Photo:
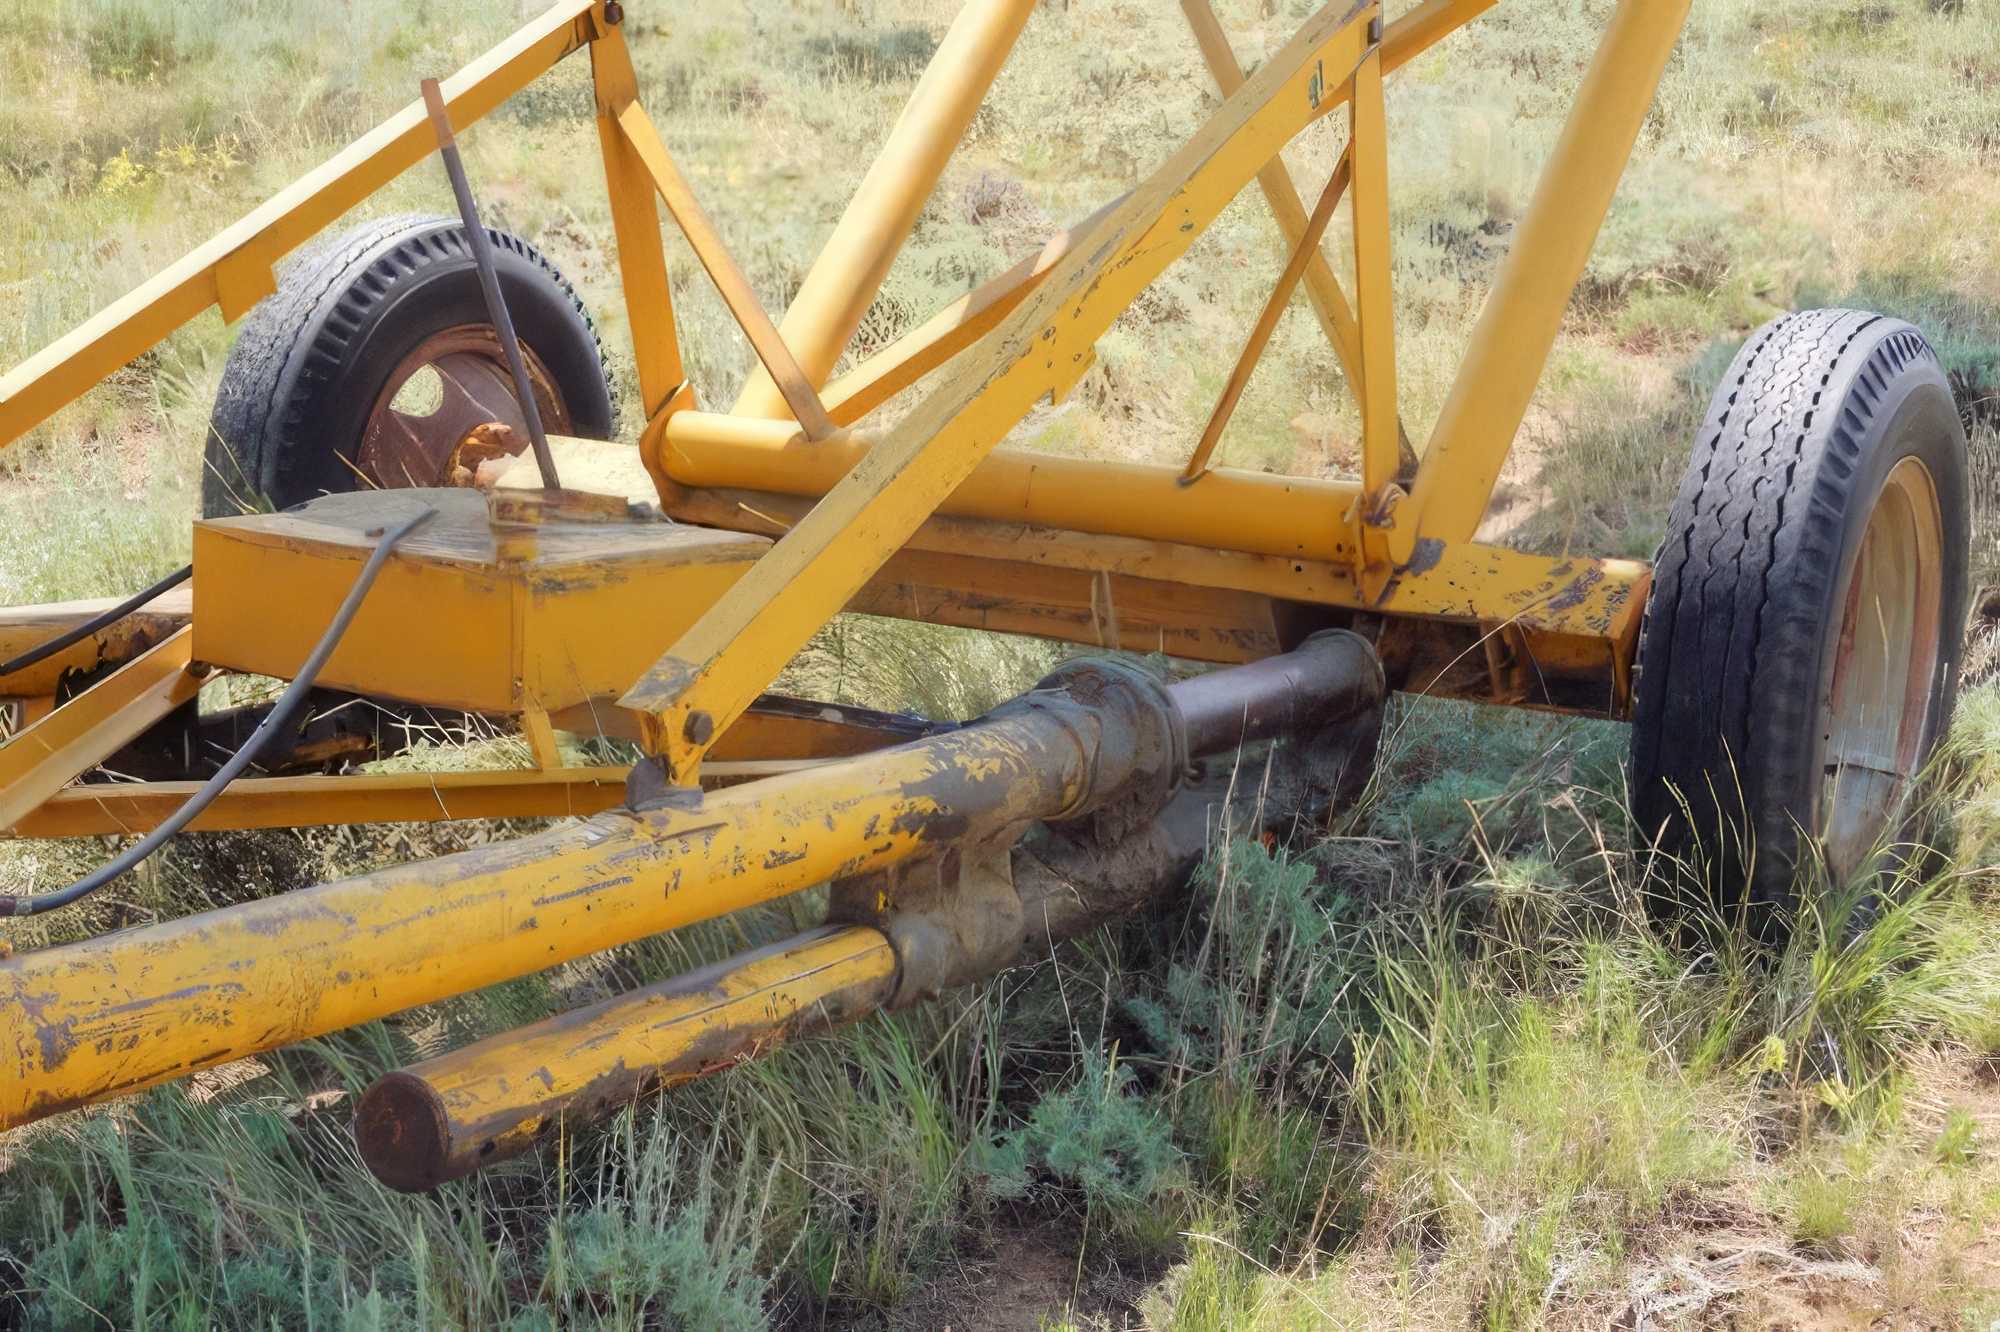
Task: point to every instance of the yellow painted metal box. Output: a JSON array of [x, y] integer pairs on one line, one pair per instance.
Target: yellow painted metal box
[[468, 612]]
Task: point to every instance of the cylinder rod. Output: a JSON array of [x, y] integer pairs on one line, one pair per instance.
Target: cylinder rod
[[449, 1116], [1331, 676]]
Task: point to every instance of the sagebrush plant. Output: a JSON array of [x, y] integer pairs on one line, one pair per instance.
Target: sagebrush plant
[[1437, 1066]]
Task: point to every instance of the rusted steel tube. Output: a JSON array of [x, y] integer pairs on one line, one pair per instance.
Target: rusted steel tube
[[447, 1117], [844, 278], [1331, 675], [90, 1020], [106, 1016]]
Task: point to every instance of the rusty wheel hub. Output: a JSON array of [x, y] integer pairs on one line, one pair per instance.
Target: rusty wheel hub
[[424, 429]]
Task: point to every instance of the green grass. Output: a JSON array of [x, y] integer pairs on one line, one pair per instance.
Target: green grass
[[1438, 1068]]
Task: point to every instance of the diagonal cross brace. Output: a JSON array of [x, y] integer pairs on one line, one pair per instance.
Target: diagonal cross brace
[[738, 647]]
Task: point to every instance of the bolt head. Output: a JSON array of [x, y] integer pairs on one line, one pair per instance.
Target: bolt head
[[698, 728]]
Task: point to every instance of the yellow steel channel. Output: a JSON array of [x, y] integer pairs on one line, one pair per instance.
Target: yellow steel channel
[[25, 627], [109, 809], [94, 725]]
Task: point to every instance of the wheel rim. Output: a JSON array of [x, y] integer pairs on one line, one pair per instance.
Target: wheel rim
[[420, 426], [1877, 711]]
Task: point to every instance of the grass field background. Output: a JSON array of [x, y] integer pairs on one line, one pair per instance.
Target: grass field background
[[1435, 1070]]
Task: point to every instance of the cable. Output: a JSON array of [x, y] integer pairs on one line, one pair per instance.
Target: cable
[[43, 651], [281, 712]]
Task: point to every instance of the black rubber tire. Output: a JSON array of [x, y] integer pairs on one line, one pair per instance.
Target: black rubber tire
[[312, 358], [1737, 651]]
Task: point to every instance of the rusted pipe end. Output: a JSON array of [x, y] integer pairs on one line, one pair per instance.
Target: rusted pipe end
[[402, 1131]]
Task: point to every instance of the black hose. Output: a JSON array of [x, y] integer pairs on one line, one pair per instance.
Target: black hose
[[43, 651], [281, 713]]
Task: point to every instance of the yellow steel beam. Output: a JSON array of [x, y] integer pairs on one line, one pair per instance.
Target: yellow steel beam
[[799, 392], [733, 651], [949, 331], [234, 269], [126, 1010], [1231, 510], [94, 725], [1572, 596], [1304, 252], [1524, 311], [452, 1115], [100, 810], [777, 735], [1374, 294], [844, 278], [635, 221]]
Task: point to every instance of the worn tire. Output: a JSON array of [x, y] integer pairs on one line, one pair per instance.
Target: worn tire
[[1731, 728], [312, 358]]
